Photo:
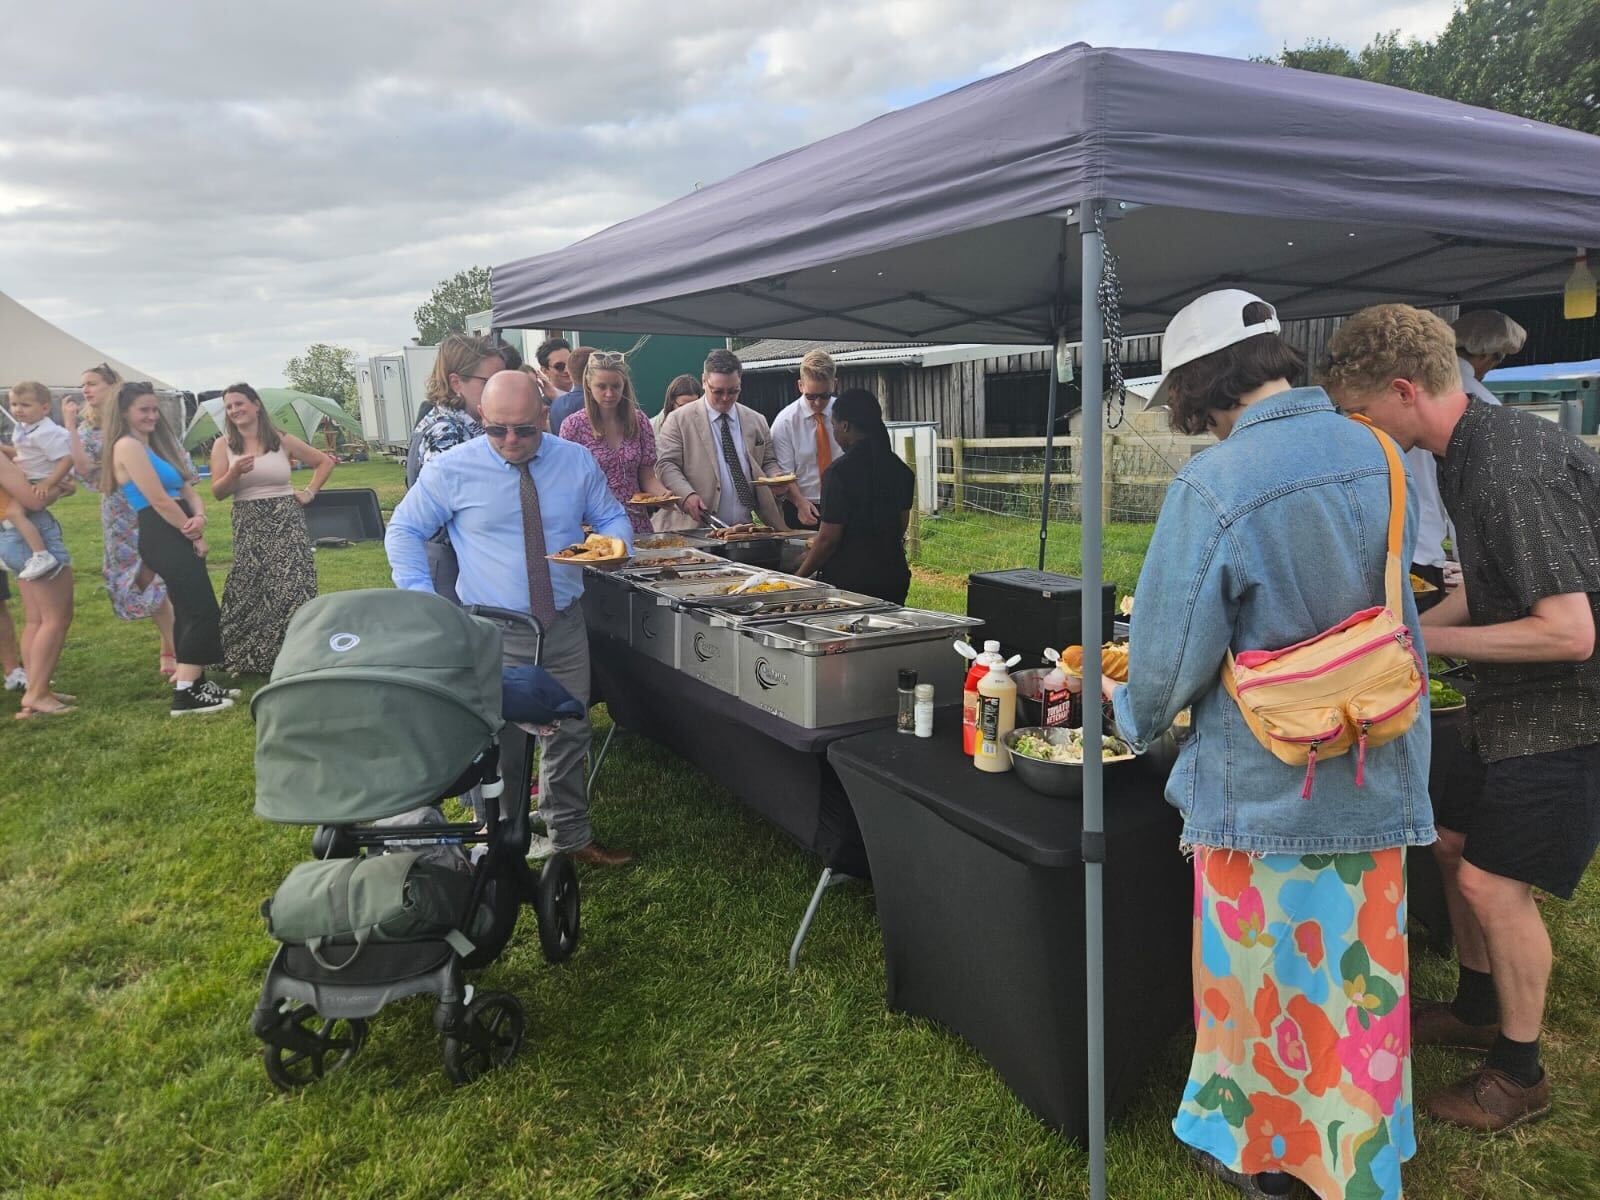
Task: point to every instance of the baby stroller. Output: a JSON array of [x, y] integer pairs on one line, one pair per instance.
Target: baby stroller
[[382, 703]]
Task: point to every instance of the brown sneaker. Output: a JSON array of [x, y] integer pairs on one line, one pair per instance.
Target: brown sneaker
[[1489, 1101], [596, 855], [1433, 1024]]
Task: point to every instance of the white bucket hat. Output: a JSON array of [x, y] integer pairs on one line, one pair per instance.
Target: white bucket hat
[[1213, 322]]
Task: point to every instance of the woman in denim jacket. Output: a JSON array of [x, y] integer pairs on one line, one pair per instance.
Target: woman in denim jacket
[[1301, 1067]]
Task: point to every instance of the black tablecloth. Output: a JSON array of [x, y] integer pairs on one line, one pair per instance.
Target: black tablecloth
[[775, 767], [979, 887]]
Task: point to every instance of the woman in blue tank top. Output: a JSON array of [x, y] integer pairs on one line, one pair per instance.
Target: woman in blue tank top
[[148, 467]]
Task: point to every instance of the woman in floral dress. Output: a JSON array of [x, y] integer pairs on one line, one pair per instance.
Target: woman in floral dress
[[1302, 1065], [610, 427], [136, 591]]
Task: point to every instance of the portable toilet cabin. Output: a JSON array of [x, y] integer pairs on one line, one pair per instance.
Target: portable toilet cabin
[[1568, 393]]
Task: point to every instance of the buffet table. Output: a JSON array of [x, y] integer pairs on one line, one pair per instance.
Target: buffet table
[[979, 887]]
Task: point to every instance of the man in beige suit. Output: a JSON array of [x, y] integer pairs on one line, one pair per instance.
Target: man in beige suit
[[711, 449]]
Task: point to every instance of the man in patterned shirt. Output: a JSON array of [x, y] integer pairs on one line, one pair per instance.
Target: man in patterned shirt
[[1524, 497]]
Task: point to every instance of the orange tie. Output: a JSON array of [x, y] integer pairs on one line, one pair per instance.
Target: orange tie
[[824, 447]]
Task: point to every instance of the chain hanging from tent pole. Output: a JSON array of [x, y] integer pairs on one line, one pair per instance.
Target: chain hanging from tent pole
[[1109, 296]]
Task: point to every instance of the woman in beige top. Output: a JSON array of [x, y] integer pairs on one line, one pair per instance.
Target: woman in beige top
[[273, 573]]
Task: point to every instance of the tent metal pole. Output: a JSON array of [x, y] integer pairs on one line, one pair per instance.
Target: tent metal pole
[[1049, 459], [1090, 454]]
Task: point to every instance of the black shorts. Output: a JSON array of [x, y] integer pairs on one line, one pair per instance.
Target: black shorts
[[5, 586], [1538, 820]]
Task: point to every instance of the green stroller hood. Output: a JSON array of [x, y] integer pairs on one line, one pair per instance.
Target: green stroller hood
[[378, 702]]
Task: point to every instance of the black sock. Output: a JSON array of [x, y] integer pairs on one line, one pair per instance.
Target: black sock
[[1520, 1060], [1275, 1183], [1476, 1002]]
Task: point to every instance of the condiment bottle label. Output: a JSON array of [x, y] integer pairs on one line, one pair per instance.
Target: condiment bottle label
[[989, 724]]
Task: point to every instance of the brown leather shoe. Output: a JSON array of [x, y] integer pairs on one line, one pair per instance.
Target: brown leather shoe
[[596, 855], [1489, 1101], [1433, 1024]]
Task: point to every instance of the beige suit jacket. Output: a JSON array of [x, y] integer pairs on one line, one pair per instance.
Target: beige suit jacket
[[687, 462]]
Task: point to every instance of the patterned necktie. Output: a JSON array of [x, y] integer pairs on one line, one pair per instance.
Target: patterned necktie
[[541, 597], [824, 447], [741, 485]]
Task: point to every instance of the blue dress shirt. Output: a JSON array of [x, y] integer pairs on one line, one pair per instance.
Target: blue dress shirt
[[563, 406], [475, 495]]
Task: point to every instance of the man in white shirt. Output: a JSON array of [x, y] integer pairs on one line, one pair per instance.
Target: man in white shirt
[[802, 437], [1484, 338]]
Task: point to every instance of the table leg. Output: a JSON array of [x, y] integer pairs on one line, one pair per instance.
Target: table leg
[[830, 878], [598, 759]]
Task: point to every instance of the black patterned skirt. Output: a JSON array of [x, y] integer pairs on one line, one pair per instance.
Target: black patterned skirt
[[273, 574]]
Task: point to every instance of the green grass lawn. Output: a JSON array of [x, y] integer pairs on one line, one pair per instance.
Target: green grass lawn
[[673, 1056]]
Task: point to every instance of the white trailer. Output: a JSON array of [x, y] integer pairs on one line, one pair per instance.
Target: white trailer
[[394, 387]]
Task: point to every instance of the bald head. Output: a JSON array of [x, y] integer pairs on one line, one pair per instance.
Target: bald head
[[511, 400]]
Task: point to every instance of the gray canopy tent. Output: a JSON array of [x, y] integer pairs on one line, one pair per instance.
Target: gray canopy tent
[[983, 215]]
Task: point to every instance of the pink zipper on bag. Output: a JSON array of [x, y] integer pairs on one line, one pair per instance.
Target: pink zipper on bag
[[1250, 659], [1403, 637], [1364, 726]]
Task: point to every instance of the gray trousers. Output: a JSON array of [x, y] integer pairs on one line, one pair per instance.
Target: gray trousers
[[563, 798]]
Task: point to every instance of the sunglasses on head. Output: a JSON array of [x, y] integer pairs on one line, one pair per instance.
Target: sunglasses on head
[[608, 358], [498, 432]]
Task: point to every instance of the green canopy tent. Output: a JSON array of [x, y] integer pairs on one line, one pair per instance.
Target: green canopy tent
[[299, 413]]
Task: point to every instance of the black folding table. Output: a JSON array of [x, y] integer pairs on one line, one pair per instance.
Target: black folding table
[[979, 887], [776, 768]]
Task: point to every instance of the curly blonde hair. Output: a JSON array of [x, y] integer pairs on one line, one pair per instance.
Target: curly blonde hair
[[1387, 342]]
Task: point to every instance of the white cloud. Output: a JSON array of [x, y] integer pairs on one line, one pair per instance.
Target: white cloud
[[209, 187], [1353, 23]]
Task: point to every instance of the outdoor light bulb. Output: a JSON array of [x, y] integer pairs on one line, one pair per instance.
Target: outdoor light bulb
[[1579, 302]]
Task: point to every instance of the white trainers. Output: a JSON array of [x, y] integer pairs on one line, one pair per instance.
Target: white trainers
[[540, 847], [17, 681], [39, 564]]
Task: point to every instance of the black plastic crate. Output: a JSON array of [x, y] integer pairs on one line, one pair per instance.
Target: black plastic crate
[[1026, 610], [349, 513]]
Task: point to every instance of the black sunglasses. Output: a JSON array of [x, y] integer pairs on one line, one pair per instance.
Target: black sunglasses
[[498, 432]]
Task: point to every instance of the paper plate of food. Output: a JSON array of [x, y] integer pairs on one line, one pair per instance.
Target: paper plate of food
[[653, 499], [1420, 586], [1442, 698], [596, 550], [774, 480], [1113, 661]]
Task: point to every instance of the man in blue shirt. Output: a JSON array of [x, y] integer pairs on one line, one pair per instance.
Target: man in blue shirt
[[507, 500], [567, 403]]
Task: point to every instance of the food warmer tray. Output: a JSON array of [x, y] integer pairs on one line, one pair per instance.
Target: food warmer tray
[[842, 633], [688, 593]]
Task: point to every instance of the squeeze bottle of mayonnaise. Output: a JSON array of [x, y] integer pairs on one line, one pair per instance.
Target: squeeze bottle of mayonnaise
[[997, 716]]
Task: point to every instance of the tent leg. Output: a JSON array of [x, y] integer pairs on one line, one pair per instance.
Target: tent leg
[[1049, 458], [1093, 774]]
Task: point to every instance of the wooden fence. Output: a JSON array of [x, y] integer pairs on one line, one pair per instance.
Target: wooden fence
[[1007, 474]]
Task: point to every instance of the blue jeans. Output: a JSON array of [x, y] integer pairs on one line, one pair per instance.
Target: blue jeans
[[14, 551]]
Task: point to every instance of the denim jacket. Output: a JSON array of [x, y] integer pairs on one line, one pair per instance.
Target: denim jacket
[[1265, 539]]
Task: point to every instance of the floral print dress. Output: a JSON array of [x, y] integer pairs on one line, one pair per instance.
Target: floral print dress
[[622, 465], [1302, 1059], [121, 564]]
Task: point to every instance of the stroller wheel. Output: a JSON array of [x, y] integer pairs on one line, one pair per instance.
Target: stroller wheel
[[557, 907], [491, 1036], [298, 1053]]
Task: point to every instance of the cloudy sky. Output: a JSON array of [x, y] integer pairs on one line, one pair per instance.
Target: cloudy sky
[[203, 189]]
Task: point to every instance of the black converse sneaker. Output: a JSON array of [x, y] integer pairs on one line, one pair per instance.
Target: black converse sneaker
[[197, 699], [215, 691]]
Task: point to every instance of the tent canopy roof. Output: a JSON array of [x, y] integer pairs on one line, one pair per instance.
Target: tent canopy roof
[[32, 348], [944, 221]]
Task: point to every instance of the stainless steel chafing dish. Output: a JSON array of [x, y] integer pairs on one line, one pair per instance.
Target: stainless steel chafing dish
[[839, 668], [698, 589]]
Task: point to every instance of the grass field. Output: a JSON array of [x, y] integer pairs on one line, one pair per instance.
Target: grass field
[[673, 1056]]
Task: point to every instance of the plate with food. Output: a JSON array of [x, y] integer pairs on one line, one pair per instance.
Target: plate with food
[[596, 550], [1113, 661], [1443, 698], [1420, 586], [653, 499], [774, 480]]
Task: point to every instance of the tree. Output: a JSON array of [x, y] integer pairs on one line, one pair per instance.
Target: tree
[[325, 370], [1534, 58], [451, 303]]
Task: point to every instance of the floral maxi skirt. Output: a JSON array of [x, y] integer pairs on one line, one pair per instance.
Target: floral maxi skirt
[[1302, 1058], [121, 564], [272, 575]]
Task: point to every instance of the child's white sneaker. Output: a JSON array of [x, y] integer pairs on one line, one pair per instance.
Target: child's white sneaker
[[17, 681], [39, 564]]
